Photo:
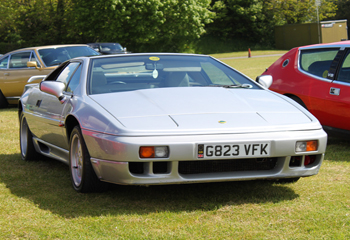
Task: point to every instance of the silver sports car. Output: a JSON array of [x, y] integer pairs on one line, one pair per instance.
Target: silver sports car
[[162, 118]]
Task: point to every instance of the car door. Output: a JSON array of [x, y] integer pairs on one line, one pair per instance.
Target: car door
[[319, 64], [48, 113], [3, 71], [338, 95], [16, 75]]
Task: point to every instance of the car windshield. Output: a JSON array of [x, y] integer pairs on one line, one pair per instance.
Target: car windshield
[[57, 55], [111, 47], [119, 74]]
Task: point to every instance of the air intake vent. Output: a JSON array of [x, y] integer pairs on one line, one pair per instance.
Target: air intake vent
[[232, 165]]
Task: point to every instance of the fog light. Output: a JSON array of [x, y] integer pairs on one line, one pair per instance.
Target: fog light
[[154, 152], [306, 146]]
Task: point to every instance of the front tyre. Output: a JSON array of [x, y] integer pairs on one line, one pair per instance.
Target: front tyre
[[28, 151], [83, 176], [3, 100]]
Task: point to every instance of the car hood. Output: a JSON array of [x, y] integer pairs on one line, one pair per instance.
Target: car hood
[[204, 110]]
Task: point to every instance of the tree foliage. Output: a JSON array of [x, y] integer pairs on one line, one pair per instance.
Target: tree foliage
[[243, 19], [166, 25], [343, 10], [155, 25], [300, 11]]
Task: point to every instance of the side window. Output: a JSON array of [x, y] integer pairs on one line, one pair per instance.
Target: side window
[[317, 61], [67, 73], [55, 73], [74, 81], [344, 71], [19, 60], [3, 62]]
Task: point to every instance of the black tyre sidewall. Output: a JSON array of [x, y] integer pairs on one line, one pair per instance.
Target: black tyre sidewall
[[3, 100], [31, 153]]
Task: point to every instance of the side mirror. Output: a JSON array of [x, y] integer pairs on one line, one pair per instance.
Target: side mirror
[[264, 80], [33, 64], [124, 49], [53, 88]]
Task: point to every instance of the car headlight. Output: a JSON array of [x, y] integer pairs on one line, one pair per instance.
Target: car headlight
[[306, 146], [154, 152]]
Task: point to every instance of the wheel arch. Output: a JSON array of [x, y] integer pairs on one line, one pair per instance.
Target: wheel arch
[[19, 109], [296, 98], [70, 123]]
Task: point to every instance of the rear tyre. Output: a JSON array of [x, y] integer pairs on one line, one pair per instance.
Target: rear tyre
[[28, 151], [3, 100], [83, 176]]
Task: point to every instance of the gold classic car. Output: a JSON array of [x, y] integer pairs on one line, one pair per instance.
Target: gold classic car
[[17, 67]]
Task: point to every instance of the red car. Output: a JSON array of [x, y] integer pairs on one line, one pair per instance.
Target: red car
[[318, 78]]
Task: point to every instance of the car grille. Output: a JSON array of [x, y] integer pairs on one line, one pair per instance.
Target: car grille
[[232, 165]]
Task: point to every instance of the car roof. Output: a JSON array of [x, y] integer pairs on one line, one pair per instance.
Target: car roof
[[141, 54], [325, 45], [48, 46], [104, 43]]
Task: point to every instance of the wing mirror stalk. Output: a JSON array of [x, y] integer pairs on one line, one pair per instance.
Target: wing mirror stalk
[[264, 80], [54, 88]]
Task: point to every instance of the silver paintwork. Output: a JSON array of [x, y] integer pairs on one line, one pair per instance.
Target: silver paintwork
[[33, 78], [115, 125]]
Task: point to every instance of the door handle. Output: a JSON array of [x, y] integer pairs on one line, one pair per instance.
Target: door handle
[[6, 74], [334, 91], [38, 103]]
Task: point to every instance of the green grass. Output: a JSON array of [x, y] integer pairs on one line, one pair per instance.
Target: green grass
[[245, 53], [38, 202], [252, 67]]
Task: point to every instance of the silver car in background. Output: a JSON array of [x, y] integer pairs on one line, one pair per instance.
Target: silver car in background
[[162, 118]]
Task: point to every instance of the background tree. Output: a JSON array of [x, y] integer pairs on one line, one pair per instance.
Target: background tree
[[236, 19], [343, 11], [160, 25], [238, 24], [202, 26], [8, 28], [299, 11]]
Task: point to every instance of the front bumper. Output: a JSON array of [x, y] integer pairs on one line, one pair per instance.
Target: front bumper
[[116, 159]]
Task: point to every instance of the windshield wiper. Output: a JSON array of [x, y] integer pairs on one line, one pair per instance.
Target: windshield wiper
[[238, 86], [231, 86]]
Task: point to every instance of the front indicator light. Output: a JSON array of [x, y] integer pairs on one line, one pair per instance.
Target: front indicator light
[[146, 152], [154, 152], [306, 146]]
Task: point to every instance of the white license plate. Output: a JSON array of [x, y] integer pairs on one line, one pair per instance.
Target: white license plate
[[236, 150]]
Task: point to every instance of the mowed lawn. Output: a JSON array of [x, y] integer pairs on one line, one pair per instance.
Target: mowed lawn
[[37, 201]]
